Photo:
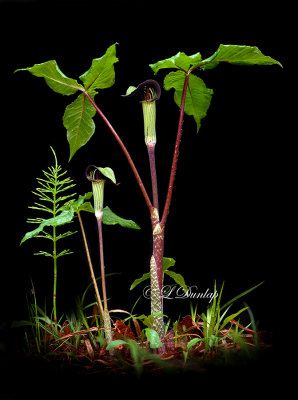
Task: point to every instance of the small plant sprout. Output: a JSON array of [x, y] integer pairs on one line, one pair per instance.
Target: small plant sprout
[[98, 178]]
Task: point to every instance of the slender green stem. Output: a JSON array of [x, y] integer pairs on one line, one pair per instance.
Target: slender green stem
[[55, 276], [91, 266], [55, 250]]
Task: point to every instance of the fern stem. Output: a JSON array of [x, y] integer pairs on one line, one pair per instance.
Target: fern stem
[[55, 277], [55, 173]]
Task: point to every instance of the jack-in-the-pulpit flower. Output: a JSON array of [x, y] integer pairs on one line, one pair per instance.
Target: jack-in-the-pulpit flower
[[98, 177], [150, 92]]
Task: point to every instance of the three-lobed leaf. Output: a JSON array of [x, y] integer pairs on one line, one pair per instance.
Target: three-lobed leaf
[[198, 97], [179, 61], [78, 116]]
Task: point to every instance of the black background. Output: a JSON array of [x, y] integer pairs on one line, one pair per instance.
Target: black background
[[229, 210]]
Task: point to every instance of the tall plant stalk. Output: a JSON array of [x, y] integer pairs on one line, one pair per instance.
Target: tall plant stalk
[[158, 226], [98, 177]]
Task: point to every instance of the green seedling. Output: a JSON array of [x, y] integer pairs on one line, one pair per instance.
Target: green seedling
[[189, 346]]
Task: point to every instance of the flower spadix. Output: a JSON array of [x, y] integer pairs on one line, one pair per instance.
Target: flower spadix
[[150, 92], [98, 176]]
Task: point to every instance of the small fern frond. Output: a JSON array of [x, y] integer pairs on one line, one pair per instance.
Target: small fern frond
[[50, 186]]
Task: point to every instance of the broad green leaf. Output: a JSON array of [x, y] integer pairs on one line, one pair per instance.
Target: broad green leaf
[[140, 280], [239, 55], [108, 173], [63, 218], [54, 77], [115, 343], [110, 218], [198, 96], [179, 61], [153, 338], [101, 74], [178, 278], [167, 263], [80, 203], [87, 206], [78, 120]]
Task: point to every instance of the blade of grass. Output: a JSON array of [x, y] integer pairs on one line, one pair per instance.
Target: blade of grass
[[253, 324], [230, 317], [240, 295]]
